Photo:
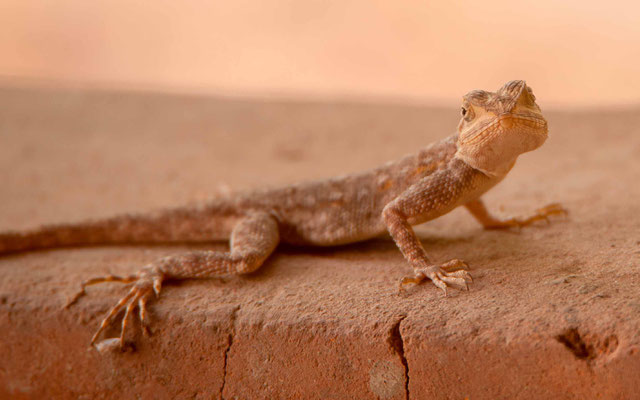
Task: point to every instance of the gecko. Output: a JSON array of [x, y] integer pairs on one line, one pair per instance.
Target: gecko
[[494, 129]]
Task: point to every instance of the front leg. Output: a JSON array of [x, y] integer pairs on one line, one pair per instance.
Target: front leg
[[488, 221], [432, 197]]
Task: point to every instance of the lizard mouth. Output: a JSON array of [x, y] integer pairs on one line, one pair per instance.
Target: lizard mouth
[[528, 124]]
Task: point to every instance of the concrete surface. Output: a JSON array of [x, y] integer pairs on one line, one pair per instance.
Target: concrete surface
[[553, 312]]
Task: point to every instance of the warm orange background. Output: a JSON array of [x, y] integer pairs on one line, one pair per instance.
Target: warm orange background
[[573, 53]]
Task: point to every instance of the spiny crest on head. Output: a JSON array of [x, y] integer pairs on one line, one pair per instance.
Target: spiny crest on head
[[511, 89], [501, 101]]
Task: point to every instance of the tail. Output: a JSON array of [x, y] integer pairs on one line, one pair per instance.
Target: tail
[[197, 224]]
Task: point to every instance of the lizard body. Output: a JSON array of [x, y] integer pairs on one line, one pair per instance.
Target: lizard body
[[494, 129], [329, 212]]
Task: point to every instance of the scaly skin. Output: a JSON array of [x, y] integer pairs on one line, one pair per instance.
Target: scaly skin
[[494, 130]]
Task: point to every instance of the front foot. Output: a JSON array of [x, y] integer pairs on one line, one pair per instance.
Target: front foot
[[541, 214], [451, 273]]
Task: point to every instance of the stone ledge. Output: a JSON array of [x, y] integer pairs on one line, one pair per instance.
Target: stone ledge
[[553, 312]]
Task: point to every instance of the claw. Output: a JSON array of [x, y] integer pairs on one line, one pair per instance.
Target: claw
[[157, 286], [142, 306], [125, 320]]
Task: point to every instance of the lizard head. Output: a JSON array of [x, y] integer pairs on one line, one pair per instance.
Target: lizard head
[[496, 127]]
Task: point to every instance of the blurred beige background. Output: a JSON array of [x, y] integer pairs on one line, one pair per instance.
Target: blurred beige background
[[573, 53]]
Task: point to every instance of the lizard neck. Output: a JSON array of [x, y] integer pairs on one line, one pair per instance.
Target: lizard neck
[[487, 160]]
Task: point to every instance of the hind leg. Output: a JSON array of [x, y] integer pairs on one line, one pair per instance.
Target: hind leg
[[253, 239]]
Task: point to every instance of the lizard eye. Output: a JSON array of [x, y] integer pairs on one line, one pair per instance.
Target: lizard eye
[[467, 113]]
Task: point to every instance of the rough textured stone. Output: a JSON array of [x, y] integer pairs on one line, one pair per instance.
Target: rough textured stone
[[553, 312]]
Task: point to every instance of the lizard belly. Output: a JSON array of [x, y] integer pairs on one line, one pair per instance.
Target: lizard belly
[[331, 225]]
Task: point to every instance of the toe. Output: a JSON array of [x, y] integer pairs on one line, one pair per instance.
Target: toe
[[454, 264], [461, 274], [552, 209], [453, 280], [418, 278], [441, 284]]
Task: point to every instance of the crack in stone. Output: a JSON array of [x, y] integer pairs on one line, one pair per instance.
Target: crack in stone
[[234, 313], [396, 342]]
